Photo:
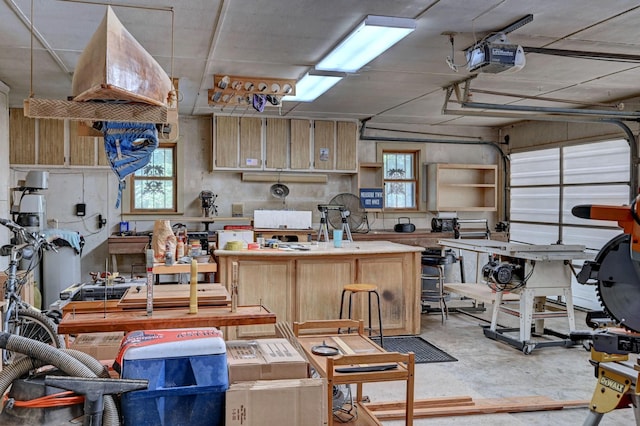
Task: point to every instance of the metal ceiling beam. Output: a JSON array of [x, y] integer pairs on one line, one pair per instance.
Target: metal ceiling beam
[[620, 115]]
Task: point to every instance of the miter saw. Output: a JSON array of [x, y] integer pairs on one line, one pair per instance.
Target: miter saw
[[616, 273]]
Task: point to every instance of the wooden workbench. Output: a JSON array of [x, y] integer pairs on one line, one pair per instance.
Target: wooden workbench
[[93, 322], [307, 285]]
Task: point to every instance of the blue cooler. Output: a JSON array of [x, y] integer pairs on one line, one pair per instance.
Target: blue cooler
[[187, 374]]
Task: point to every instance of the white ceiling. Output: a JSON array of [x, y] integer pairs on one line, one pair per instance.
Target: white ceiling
[[284, 38]]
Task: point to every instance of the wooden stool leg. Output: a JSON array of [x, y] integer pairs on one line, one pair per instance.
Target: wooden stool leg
[[341, 305], [370, 324]]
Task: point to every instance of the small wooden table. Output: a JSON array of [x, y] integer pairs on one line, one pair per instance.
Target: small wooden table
[[93, 322], [358, 353]]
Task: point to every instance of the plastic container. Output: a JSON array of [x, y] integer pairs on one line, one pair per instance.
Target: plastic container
[[187, 374]]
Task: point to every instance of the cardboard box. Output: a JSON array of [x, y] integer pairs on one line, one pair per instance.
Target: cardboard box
[[277, 402], [28, 291], [264, 359], [98, 345]]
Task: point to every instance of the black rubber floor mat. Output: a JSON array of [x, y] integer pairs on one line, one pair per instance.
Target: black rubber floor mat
[[424, 351]]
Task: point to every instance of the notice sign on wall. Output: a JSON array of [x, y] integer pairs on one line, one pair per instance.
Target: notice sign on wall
[[371, 198]]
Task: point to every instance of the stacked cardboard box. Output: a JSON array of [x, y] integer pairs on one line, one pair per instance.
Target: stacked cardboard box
[[264, 359], [277, 402], [270, 385], [98, 345]]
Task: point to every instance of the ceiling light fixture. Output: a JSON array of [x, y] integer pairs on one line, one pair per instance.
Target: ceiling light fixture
[[368, 40], [314, 84]]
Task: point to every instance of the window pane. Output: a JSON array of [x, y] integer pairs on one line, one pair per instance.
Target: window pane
[[398, 165], [161, 164], [400, 195], [597, 162], [539, 204], [153, 194], [536, 168]]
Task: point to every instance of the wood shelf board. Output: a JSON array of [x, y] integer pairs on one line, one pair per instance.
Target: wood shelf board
[[175, 296], [183, 268], [92, 322], [478, 291]]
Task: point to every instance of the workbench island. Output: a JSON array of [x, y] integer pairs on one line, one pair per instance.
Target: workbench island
[[303, 285]]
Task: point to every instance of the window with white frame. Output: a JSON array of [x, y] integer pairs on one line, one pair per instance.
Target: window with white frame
[[154, 186], [545, 186], [400, 179]]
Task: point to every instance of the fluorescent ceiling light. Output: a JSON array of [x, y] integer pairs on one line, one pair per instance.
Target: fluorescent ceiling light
[[372, 37], [312, 85]]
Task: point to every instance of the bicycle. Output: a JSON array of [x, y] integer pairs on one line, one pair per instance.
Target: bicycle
[[19, 317]]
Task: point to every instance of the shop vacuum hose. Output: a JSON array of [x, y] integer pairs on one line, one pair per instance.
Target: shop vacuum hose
[[73, 363]]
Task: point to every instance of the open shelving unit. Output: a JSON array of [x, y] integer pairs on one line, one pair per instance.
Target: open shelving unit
[[462, 187]]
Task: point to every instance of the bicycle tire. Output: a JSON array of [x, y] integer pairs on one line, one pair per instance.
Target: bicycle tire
[[33, 325]]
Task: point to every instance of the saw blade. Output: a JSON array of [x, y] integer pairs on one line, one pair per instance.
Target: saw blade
[[619, 282]]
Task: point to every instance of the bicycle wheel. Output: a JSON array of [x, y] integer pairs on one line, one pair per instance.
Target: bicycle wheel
[[33, 325]]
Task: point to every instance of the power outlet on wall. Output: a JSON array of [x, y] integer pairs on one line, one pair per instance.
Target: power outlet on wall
[[237, 209]]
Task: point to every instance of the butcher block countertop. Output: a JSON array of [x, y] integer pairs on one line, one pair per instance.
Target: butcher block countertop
[[326, 249]]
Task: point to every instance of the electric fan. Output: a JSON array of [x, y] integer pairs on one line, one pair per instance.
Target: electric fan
[[356, 216]]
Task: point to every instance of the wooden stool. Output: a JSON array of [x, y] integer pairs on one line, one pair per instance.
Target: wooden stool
[[361, 288]]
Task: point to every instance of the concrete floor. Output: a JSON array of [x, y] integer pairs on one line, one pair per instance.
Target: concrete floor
[[490, 369]]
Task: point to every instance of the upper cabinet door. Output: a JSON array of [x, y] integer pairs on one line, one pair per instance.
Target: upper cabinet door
[[22, 138], [346, 146], [226, 142], [276, 143], [324, 133], [300, 147], [51, 142], [82, 149], [250, 143]]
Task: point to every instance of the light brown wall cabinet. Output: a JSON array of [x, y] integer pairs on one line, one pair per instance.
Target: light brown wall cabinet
[[276, 145], [48, 148], [226, 145], [462, 187], [300, 145], [284, 144]]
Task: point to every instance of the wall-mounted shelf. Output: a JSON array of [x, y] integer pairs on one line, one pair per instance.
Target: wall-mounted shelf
[[239, 90], [462, 187]]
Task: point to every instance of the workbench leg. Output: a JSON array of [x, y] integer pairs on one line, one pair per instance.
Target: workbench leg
[[539, 303], [497, 302], [568, 300], [526, 314]]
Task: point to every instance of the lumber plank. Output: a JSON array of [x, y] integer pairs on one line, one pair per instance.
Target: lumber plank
[[439, 407], [175, 295], [132, 320]]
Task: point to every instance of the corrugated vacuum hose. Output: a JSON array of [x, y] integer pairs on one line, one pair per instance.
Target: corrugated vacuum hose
[[73, 363]]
